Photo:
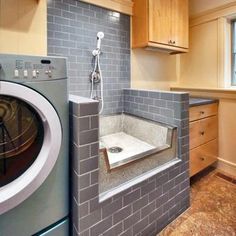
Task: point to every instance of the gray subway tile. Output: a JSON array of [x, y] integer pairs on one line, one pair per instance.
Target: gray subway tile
[[155, 214], [101, 227], [167, 186], [131, 197], [83, 209], [88, 165], [137, 205], [139, 226], [168, 205], [111, 208], [167, 96], [121, 214], [89, 220], [149, 230], [157, 192], [89, 136], [94, 177], [148, 188], [160, 103], [84, 152], [94, 122], [145, 211], [84, 181], [84, 123], [131, 220], [162, 199], [88, 109], [115, 230], [94, 149], [154, 94], [128, 232], [88, 193]]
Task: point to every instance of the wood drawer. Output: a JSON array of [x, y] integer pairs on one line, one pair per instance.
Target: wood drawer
[[203, 156], [199, 112], [202, 131]]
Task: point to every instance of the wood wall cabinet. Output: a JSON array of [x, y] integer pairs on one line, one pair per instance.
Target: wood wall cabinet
[[161, 24], [203, 136]]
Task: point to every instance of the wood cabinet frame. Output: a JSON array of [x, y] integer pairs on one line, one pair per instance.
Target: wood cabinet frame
[[161, 24]]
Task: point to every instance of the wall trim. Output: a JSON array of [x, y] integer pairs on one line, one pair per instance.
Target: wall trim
[[227, 10], [123, 6], [224, 52], [208, 92], [226, 166]]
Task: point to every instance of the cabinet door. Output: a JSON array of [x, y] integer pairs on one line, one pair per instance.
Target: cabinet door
[[203, 156], [179, 23], [202, 131], [203, 111], [159, 21]]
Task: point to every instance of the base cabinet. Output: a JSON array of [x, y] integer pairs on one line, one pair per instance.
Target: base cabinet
[[203, 137]]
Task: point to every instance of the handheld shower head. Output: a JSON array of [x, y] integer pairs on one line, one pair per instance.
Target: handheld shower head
[[100, 36]]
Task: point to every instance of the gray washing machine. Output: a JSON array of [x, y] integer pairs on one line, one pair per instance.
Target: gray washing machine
[[33, 146]]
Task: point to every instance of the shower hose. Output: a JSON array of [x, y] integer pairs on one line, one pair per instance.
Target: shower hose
[[95, 73]]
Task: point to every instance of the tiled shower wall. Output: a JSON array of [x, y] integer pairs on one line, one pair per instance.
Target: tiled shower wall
[[72, 33], [145, 208]]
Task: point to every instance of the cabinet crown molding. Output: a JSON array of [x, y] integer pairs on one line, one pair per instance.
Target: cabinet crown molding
[[122, 6]]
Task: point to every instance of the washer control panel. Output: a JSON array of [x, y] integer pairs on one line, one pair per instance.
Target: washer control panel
[[31, 67]]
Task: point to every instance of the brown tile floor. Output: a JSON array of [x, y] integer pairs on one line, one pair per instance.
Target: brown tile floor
[[212, 211]]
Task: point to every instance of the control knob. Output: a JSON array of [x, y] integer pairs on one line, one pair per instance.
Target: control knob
[[34, 73]]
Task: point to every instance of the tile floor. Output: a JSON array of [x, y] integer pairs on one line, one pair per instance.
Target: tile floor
[[212, 211]]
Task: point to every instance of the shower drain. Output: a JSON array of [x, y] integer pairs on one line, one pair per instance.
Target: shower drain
[[115, 149]]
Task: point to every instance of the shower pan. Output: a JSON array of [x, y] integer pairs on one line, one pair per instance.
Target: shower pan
[[125, 139]]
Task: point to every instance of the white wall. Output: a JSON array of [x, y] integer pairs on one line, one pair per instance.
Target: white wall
[[23, 27], [152, 70]]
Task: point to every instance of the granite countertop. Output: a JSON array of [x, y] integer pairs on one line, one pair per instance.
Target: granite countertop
[[194, 101]]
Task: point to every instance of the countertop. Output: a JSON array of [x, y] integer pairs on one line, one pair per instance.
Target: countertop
[[194, 101]]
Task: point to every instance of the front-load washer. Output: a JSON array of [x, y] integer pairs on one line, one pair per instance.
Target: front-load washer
[[33, 146]]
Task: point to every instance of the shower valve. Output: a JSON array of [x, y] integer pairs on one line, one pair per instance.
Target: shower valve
[[95, 77], [97, 98]]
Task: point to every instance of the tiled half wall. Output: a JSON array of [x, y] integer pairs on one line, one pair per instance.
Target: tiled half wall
[[145, 208], [167, 107], [72, 33]]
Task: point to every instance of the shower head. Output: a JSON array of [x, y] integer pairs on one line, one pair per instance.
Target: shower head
[[100, 36]]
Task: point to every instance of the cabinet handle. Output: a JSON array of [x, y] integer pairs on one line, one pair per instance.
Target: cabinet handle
[[202, 158], [173, 42], [202, 112], [202, 133], [170, 42]]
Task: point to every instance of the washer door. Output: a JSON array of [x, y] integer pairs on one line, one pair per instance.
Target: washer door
[[30, 141]]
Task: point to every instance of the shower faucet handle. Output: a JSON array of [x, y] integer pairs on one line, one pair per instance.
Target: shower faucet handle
[[97, 98], [96, 52]]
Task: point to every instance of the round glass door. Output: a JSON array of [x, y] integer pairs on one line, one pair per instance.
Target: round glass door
[[21, 137], [30, 142]]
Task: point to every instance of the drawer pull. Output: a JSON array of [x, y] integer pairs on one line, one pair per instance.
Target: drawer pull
[[202, 112], [202, 133], [202, 158]]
